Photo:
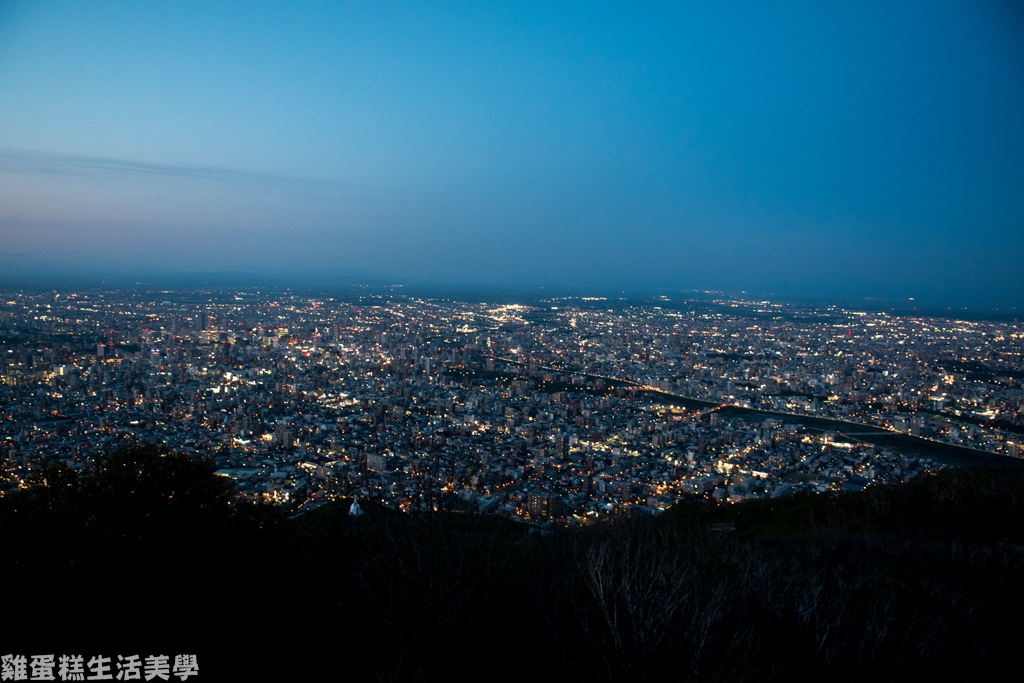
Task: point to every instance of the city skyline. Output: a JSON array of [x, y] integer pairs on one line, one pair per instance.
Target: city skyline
[[338, 470], [847, 152]]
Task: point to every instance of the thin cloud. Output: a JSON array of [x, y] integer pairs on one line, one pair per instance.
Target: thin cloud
[[17, 161]]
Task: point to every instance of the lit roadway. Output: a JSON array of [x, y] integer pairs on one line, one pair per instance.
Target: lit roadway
[[852, 427]]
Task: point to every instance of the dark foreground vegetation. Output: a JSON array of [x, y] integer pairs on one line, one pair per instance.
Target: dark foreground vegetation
[[148, 555]]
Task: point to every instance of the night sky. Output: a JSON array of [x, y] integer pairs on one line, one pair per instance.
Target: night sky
[[792, 149]]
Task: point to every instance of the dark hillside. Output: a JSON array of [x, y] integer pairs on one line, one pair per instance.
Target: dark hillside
[[148, 554]]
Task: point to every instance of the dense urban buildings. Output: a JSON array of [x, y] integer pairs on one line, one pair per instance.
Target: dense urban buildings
[[565, 410]]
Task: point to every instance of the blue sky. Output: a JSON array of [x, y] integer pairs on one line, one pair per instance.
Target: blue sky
[[847, 149]]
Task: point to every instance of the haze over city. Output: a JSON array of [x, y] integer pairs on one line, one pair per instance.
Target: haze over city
[[849, 150]]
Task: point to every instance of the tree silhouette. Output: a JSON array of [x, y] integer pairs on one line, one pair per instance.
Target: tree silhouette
[[145, 524], [147, 491]]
